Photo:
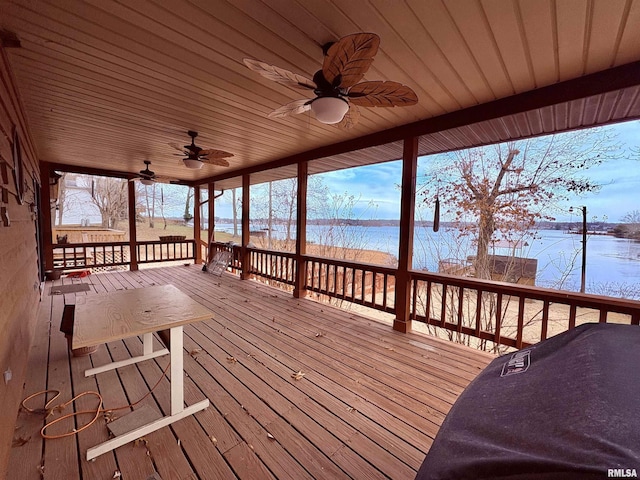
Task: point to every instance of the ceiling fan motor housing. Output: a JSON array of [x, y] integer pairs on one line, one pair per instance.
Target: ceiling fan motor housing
[[329, 109]]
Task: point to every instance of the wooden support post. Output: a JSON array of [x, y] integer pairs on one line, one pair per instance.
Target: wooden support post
[[133, 235], [45, 212], [246, 258], [402, 322], [196, 224], [211, 222], [301, 230]]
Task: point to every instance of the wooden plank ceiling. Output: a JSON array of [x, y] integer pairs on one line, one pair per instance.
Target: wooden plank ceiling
[[108, 85]]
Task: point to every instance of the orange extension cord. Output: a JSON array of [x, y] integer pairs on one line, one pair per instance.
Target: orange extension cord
[[60, 407]]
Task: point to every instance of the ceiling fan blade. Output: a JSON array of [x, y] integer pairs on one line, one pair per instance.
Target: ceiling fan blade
[[349, 58], [351, 118], [176, 146], [221, 162], [164, 179], [382, 94], [213, 153], [293, 108], [280, 75]]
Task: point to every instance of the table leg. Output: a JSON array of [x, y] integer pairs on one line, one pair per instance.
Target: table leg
[[177, 372], [147, 343], [178, 411], [147, 354]]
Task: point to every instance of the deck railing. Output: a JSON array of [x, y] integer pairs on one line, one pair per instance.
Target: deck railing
[[361, 283], [496, 314], [91, 255], [236, 260], [165, 251], [106, 255], [509, 314], [272, 265]]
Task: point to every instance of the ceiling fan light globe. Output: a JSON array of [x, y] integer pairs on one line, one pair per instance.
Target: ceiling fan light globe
[[191, 163], [329, 110], [146, 181]]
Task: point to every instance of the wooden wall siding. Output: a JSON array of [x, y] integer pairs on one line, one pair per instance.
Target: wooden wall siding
[[19, 285], [122, 80]]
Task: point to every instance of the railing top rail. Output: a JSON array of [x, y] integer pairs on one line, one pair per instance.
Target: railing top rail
[[272, 252], [587, 300], [163, 242], [349, 264], [89, 244]]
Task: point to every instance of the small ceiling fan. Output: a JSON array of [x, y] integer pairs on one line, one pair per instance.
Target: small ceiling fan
[[197, 156], [337, 91], [148, 177]]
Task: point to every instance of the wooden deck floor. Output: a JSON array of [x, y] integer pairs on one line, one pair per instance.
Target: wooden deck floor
[[368, 406]]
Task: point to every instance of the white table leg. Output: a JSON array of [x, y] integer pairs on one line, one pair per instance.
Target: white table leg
[[178, 411], [177, 372], [125, 438], [147, 343], [147, 354], [124, 363]]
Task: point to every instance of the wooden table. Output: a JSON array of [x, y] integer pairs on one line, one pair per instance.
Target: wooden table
[[114, 316]]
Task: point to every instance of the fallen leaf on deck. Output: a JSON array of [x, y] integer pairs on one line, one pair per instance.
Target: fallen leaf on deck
[[20, 441], [232, 360], [117, 474], [298, 375], [140, 441], [109, 416], [194, 353], [351, 409], [270, 436]]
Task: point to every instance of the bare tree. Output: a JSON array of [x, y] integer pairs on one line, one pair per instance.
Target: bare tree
[[509, 187], [504, 190], [150, 200], [110, 196]]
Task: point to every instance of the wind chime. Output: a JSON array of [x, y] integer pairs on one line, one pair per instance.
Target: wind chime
[[436, 211]]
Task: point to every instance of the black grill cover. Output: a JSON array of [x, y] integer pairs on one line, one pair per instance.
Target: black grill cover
[[565, 408]]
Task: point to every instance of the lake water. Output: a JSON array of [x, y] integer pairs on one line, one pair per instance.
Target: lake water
[[610, 260]]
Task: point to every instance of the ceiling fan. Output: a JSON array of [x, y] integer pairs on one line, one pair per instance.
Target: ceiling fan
[[337, 91], [148, 177], [197, 156]]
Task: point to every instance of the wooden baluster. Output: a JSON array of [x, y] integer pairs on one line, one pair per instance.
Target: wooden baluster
[[603, 316], [443, 309], [520, 331], [460, 318], [572, 315], [478, 312], [496, 337], [545, 319], [427, 305]]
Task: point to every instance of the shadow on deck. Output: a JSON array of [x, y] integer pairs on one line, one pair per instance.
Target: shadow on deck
[[368, 406]]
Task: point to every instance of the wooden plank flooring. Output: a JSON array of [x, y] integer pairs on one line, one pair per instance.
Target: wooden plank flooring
[[368, 406]]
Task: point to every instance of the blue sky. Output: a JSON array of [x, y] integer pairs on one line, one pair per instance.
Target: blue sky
[[377, 184], [620, 182]]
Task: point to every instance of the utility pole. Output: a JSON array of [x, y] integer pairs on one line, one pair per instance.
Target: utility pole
[[583, 276]]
